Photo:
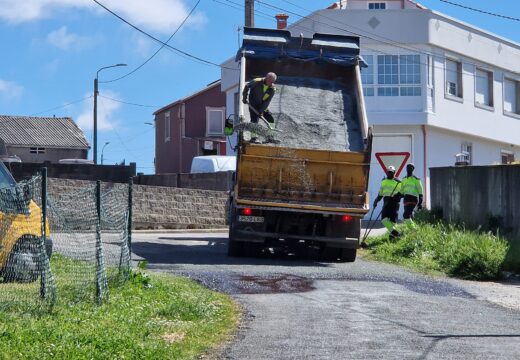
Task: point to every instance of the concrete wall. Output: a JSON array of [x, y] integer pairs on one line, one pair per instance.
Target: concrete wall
[[157, 207], [472, 194], [108, 173], [219, 181]]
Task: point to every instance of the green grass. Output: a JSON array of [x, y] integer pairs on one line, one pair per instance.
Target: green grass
[[439, 248], [153, 316]]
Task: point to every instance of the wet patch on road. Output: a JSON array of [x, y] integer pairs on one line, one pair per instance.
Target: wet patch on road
[[276, 284]]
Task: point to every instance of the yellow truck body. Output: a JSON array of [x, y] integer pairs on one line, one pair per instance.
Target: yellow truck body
[[314, 180]]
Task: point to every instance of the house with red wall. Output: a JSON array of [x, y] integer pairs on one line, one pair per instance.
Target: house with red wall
[[190, 127]]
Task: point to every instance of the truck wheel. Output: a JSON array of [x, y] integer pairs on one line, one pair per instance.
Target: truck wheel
[[330, 254], [235, 248], [23, 261], [348, 255]]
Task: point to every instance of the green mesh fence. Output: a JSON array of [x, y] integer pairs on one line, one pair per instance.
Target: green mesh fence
[[85, 249]]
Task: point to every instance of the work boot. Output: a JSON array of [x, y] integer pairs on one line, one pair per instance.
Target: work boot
[[394, 234]]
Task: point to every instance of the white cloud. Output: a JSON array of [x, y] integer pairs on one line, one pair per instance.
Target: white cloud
[[105, 115], [65, 40], [10, 90], [157, 15]]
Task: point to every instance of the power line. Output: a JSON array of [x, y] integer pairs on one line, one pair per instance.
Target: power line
[[162, 46], [480, 11], [176, 50], [129, 103], [62, 106]]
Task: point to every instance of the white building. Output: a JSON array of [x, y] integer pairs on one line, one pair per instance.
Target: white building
[[435, 87]]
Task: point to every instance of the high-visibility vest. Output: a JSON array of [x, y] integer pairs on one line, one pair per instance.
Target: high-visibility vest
[[389, 187], [411, 185]]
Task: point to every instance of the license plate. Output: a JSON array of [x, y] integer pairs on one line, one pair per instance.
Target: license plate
[[251, 219]]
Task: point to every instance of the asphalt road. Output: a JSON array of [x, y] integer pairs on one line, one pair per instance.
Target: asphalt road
[[295, 309]]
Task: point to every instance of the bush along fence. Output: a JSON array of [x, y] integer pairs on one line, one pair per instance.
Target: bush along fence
[[71, 245]]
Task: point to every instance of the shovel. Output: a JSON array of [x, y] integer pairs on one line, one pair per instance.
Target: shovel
[[267, 123]]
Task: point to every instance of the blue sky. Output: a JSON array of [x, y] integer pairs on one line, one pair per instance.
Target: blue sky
[[51, 50]]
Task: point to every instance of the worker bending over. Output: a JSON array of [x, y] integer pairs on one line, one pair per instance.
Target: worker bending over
[[258, 93], [390, 192], [412, 191]]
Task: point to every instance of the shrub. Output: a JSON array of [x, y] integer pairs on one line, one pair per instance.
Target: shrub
[[438, 247]]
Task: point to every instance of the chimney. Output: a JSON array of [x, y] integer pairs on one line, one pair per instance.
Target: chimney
[[281, 21]]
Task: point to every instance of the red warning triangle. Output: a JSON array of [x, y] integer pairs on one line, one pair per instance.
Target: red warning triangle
[[395, 159]]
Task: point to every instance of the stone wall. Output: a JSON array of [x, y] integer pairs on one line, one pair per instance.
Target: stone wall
[[218, 181], [156, 207]]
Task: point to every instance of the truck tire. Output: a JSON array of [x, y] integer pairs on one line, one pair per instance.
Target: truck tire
[[235, 248], [348, 255], [23, 264], [330, 254]]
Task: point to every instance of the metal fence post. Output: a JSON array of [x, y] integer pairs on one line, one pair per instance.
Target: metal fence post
[[47, 284], [101, 279], [130, 201]]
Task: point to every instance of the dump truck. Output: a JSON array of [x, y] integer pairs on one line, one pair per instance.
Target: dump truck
[[303, 189], [20, 232]]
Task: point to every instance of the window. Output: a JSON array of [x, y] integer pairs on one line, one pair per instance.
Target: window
[[454, 78], [387, 74], [215, 121], [507, 157], [166, 126], [511, 96], [182, 118], [467, 150], [37, 150], [367, 75], [484, 87], [377, 6], [410, 74], [399, 75]]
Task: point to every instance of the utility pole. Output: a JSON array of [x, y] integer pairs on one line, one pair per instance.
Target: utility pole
[[250, 13]]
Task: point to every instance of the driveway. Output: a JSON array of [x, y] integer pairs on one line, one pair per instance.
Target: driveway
[[297, 309]]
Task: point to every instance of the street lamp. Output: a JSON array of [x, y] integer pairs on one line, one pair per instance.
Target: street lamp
[[95, 107], [103, 149]]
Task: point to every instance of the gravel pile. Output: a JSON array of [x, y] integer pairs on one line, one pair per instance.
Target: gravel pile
[[314, 113]]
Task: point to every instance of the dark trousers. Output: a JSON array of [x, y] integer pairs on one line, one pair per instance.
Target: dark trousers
[[410, 202], [267, 115], [390, 208]]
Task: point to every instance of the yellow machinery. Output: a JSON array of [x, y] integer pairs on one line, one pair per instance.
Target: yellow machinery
[[20, 233]]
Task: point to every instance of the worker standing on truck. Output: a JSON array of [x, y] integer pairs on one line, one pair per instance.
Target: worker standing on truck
[[412, 190], [390, 192], [261, 92]]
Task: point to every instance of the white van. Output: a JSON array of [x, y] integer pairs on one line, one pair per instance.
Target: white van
[[213, 163]]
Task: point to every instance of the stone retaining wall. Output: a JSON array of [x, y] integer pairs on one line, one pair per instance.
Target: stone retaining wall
[[156, 207]]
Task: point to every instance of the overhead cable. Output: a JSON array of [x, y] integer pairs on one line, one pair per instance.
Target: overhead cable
[[162, 46]]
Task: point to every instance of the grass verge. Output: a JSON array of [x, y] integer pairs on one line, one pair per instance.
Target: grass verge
[[439, 248], [153, 316]]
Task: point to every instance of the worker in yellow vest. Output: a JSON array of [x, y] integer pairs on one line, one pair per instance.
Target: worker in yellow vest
[[258, 93], [412, 190], [390, 192]]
